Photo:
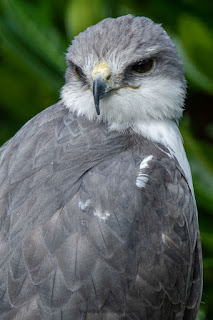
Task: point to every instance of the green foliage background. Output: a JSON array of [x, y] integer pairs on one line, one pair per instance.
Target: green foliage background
[[34, 36]]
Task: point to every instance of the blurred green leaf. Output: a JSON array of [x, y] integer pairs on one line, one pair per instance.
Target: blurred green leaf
[[21, 34], [42, 39], [198, 154], [197, 42], [207, 239], [193, 74], [22, 53], [80, 14], [201, 315]]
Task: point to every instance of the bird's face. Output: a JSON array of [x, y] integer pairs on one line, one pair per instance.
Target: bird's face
[[104, 82], [123, 71]]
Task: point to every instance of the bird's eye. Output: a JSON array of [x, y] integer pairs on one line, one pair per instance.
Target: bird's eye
[[80, 75], [143, 66], [79, 72]]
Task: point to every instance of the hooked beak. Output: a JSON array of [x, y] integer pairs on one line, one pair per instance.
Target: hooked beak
[[99, 91], [101, 87]]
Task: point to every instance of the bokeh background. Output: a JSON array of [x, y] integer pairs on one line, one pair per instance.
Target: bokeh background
[[34, 36]]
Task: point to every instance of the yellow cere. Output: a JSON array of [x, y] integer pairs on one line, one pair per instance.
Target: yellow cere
[[102, 69]]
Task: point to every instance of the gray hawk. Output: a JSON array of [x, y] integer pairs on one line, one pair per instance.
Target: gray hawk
[[98, 219]]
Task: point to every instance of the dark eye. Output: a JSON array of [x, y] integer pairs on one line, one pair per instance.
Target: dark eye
[[79, 72], [143, 66]]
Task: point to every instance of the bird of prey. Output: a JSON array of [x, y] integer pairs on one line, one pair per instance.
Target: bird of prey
[[98, 219]]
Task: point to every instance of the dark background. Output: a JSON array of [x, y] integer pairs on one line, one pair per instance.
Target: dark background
[[34, 36]]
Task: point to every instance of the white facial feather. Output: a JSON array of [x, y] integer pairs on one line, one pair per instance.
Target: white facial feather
[[156, 98]]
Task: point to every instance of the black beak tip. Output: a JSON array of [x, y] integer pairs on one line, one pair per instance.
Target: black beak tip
[[99, 88], [97, 109]]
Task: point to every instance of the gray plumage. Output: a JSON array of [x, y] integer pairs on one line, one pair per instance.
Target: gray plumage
[[126, 40], [87, 229]]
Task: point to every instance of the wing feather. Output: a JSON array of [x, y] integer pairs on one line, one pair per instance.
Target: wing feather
[[80, 240]]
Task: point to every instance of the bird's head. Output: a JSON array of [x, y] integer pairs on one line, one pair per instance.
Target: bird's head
[[122, 71]]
